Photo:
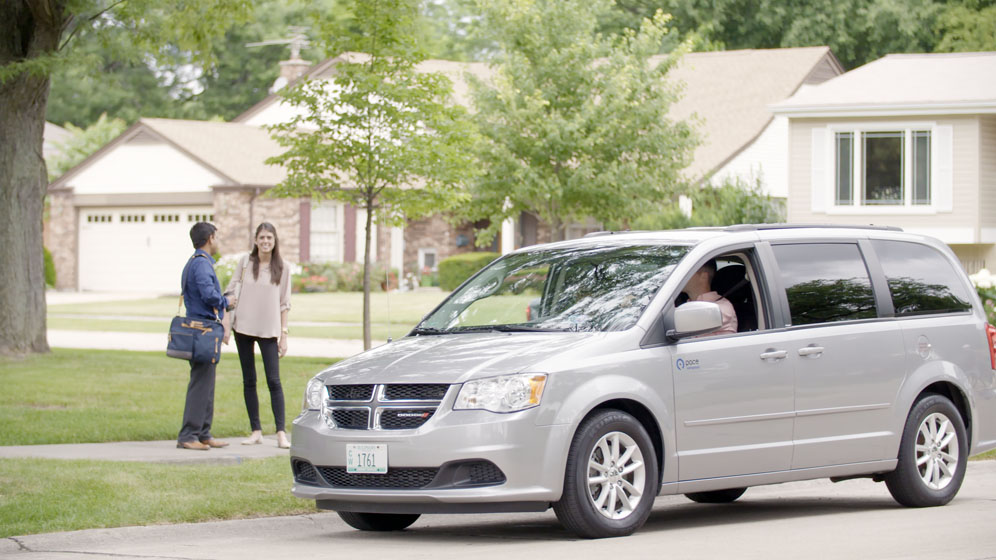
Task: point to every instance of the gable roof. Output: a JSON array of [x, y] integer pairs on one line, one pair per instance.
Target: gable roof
[[727, 93], [903, 84]]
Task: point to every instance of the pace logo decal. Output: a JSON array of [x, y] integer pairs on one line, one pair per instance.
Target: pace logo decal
[[683, 364]]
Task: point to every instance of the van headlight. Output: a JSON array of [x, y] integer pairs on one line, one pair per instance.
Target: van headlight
[[508, 393], [314, 395]]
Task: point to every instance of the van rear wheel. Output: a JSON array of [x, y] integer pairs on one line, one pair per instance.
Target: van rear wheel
[[378, 521], [611, 477], [932, 455]]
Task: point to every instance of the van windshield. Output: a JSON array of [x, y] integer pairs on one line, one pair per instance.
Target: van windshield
[[600, 288]]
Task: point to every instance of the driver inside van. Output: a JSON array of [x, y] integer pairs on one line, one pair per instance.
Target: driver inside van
[[699, 288]]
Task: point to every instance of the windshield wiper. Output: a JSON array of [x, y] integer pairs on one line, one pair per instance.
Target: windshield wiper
[[427, 330], [524, 328]]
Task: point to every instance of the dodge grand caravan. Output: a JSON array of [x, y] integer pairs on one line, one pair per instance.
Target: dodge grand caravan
[[574, 376]]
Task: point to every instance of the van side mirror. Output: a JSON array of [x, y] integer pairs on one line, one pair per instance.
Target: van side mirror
[[695, 318]]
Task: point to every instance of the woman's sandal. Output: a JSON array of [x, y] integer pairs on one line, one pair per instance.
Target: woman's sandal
[[255, 438], [282, 441]]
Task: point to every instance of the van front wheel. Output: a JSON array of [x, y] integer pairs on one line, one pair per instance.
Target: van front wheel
[[932, 455], [611, 478]]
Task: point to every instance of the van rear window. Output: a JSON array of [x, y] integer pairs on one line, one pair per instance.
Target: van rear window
[[921, 280]]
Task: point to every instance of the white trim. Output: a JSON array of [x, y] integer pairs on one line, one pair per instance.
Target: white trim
[[507, 236], [958, 235], [884, 210], [398, 249], [988, 235], [886, 110]]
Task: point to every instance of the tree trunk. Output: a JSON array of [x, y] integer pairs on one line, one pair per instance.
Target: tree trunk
[[23, 180], [366, 273]]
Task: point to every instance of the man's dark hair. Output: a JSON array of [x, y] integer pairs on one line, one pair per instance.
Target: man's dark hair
[[200, 233]]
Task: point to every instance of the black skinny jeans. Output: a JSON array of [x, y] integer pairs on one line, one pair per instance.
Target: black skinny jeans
[[271, 365]]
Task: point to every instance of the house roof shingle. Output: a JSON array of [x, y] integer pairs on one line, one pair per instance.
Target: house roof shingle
[[236, 150], [728, 92]]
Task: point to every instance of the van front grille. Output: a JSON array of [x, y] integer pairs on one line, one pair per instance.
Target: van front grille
[[393, 406]]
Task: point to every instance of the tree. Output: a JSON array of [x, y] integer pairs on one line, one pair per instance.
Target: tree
[[575, 123], [733, 202], [36, 37], [380, 134], [229, 81]]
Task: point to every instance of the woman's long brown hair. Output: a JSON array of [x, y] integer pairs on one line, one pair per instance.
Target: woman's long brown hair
[[276, 263]]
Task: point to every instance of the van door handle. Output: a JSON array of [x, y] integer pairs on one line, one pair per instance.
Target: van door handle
[[811, 351], [773, 354]]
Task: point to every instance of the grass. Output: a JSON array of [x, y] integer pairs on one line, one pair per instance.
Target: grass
[[80, 396], [378, 332], [95, 494], [338, 307]]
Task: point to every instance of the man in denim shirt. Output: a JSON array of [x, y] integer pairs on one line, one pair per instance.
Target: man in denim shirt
[[203, 300]]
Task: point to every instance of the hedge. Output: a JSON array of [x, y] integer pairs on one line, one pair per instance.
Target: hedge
[[454, 270], [49, 268]]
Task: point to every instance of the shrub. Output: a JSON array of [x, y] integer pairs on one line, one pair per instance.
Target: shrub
[[49, 268], [985, 284], [454, 270], [339, 277]]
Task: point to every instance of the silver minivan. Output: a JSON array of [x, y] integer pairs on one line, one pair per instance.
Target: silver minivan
[[574, 375]]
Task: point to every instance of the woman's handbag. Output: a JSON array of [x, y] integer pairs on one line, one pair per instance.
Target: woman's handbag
[[196, 340]]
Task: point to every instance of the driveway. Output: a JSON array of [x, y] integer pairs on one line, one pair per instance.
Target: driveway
[[813, 519]]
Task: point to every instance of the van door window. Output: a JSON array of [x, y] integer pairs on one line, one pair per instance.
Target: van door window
[[921, 280], [825, 282]]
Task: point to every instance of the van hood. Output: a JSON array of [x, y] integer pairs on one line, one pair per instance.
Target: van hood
[[452, 358]]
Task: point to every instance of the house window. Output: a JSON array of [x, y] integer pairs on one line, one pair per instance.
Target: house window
[[884, 167], [845, 168], [326, 232], [427, 260]]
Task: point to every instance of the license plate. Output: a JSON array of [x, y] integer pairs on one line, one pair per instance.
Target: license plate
[[367, 458]]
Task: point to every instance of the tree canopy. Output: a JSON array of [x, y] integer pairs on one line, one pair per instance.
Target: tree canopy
[[380, 135], [575, 122]]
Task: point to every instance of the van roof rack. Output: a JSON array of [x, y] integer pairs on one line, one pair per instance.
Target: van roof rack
[[761, 227], [757, 227]]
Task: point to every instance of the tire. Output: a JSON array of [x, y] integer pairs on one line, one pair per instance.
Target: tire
[[608, 501], [716, 496], [934, 437], [378, 521]]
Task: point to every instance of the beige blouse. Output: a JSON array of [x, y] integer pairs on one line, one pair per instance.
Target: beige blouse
[[257, 312]]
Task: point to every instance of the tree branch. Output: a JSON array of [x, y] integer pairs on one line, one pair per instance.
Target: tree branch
[[89, 19]]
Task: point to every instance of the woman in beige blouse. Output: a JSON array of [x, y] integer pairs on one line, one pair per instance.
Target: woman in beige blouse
[[262, 285]]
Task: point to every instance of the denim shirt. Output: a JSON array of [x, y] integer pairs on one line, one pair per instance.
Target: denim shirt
[[201, 291]]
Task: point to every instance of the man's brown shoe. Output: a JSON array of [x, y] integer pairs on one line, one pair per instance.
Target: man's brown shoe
[[192, 445], [214, 443]]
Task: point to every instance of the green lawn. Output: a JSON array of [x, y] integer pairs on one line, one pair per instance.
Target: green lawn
[[47, 495], [377, 332], [78, 396], [336, 307]]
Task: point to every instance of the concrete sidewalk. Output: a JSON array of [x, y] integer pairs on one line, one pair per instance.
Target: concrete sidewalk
[[148, 451], [156, 342]]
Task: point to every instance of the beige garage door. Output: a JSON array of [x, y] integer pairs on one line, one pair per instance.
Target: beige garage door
[[136, 249]]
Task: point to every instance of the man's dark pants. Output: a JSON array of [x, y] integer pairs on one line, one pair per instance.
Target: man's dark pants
[[199, 408]]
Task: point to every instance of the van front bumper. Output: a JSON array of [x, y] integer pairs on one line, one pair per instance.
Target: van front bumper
[[522, 464]]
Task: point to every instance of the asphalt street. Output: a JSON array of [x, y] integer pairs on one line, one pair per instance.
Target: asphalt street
[[854, 519]]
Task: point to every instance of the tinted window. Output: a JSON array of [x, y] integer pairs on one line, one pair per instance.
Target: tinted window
[[825, 283], [921, 280]]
